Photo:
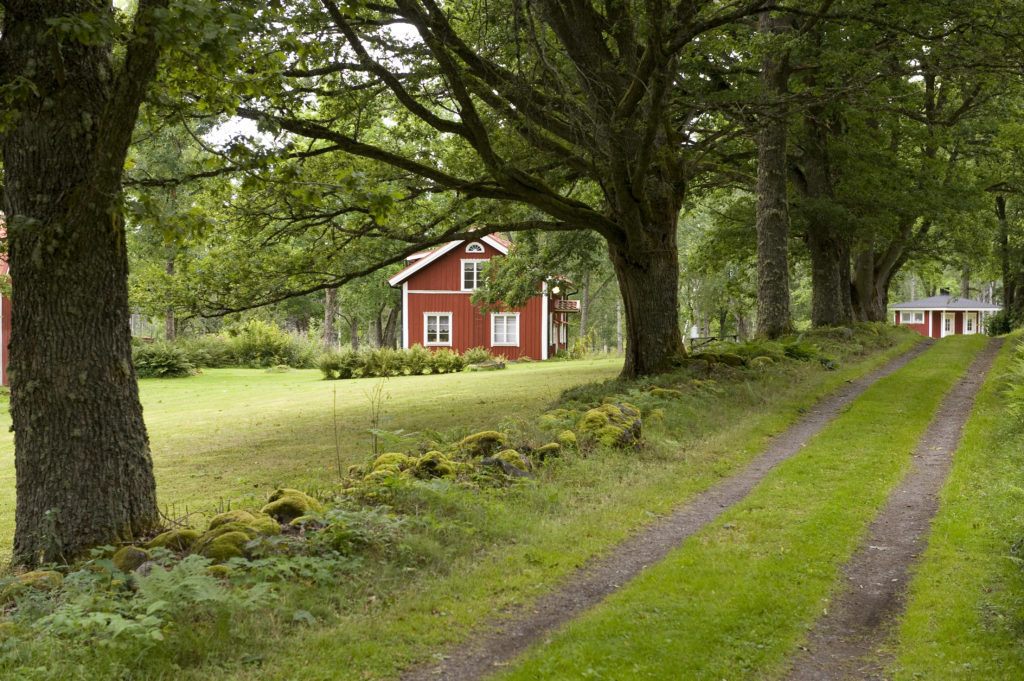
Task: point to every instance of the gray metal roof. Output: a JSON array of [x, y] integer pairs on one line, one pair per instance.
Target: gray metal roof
[[945, 303]]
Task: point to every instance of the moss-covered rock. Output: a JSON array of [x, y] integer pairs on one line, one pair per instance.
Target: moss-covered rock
[[567, 439], [127, 558], [709, 357], [481, 444], [434, 464], [40, 580], [760, 362], [515, 458], [731, 359], [356, 470], [287, 504], [666, 393], [383, 473], [550, 450], [390, 459], [266, 525], [236, 516], [225, 546], [507, 467], [612, 425], [174, 540], [219, 571]]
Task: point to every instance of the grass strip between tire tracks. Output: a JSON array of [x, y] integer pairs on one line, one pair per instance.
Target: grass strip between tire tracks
[[965, 612], [738, 597]]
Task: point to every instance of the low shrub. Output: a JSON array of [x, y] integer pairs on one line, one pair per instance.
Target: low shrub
[[446, 361], [160, 359], [477, 355], [208, 351], [418, 360], [258, 344]]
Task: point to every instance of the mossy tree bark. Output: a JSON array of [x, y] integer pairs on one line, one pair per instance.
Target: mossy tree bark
[[83, 467], [773, 317]]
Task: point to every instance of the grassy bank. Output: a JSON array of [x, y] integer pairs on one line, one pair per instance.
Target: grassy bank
[[736, 599], [965, 612], [227, 436], [472, 551]]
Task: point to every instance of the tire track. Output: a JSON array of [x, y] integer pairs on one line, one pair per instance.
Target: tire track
[[845, 643]]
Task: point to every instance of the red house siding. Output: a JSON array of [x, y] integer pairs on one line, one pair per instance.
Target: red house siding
[[437, 289]]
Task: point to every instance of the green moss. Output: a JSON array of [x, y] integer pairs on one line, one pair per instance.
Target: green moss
[[265, 525], [127, 558], [481, 444], [236, 516], [398, 459], [551, 449], [287, 504], [356, 470], [731, 359], [174, 540], [41, 580], [226, 546], [383, 473], [666, 392], [434, 464], [567, 439], [219, 571], [611, 425], [761, 362], [515, 458]]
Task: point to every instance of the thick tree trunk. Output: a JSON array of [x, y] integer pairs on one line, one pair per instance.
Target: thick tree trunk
[[827, 240], [650, 297], [1011, 278], [353, 331], [83, 470], [965, 282], [773, 317], [330, 314]]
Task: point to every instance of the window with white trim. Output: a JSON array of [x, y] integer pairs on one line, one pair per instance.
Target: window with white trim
[[970, 323], [949, 324], [505, 329], [911, 317], [471, 274], [475, 248], [437, 328]]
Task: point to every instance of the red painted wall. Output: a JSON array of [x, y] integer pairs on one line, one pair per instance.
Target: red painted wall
[[920, 328], [441, 282]]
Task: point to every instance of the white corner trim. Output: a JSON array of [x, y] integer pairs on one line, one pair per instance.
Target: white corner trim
[[422, 262], [544, 320], [496, 245], [405, 315]]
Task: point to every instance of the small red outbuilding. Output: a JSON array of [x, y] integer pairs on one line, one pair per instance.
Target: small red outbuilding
[[437, 312], [943, 315]]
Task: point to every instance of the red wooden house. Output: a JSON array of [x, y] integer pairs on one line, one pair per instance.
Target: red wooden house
[[437, 312], [943, 315]]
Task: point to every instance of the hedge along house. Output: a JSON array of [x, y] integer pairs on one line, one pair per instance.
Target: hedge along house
[[437, 311], [943, 315]]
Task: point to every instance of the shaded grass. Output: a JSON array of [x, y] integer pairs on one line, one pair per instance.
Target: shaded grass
[[227, 436], [965, 610], [736, 598]]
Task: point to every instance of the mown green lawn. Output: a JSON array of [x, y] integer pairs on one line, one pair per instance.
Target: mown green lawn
[[226, 432]]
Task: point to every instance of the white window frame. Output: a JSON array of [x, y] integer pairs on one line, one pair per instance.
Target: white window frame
[[426, 329], [911, 317], [476, 274], [494, 340], [968, 322], [475, 247]]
